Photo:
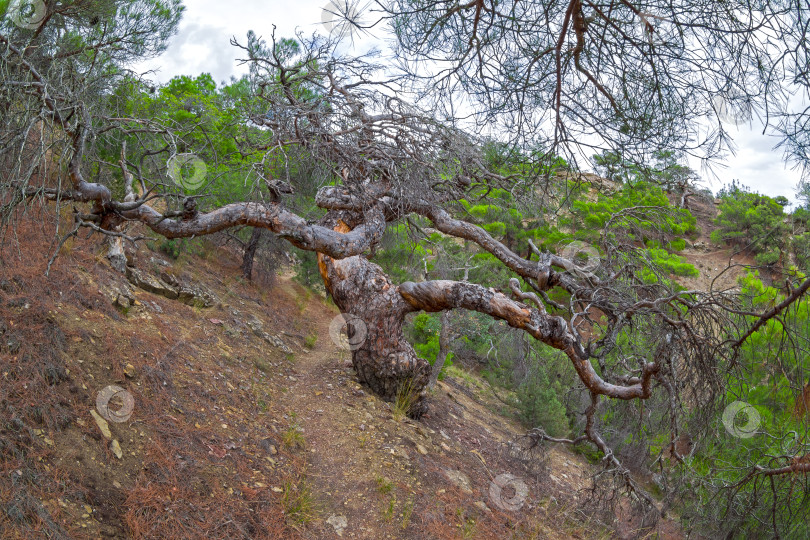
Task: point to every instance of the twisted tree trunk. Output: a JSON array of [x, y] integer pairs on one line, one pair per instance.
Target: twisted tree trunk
[[384, 360]]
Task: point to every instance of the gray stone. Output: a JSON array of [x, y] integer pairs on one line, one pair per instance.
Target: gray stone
[[193, 295], [256, 326], [151, 283], [119, 294], [172, 288], [339, 523], [275, 341], [160, 262], [459, 479]]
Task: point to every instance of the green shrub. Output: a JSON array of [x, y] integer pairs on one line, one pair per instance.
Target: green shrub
[[678, 244], [171, 248], [495, 229], [306, 271], [592, 454], [673, 264], [800, 244], [801, 216], [751, 221], [767, 258], [424, 331], [538, 405]]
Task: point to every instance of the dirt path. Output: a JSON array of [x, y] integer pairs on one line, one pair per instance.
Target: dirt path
[[350, 456], [389, 478]]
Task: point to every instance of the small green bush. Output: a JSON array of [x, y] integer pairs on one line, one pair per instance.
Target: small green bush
[[800, 244], [171, 248], [751, 221], [678, 244], [425, 334], [673, 264], [306, 271], [538, 405]]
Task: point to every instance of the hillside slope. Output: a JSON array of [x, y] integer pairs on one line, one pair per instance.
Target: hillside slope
[[719, 267], [247, 420]]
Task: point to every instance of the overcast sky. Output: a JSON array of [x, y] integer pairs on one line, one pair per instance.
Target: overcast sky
[[202, 45]]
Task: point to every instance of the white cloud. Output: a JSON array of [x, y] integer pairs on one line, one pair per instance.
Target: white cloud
[[202, 43], [756, 164]]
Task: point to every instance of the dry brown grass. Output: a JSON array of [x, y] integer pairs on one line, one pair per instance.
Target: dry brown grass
[[66, 341], [172, 499]]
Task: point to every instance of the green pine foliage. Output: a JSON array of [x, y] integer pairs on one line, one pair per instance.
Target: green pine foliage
[[674, 264], [767, 378], [594, 215], [753, 222], [424, 332], [539, 405]]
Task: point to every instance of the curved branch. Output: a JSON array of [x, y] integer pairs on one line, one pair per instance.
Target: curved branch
[[765, 317], [274, 217], [552, 330], [537, 272]]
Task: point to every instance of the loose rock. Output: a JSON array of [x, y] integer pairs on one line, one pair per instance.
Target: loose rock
[[481, 505], [339, 523], [129, 371], [102, 424], [459, 479], [116, 449]]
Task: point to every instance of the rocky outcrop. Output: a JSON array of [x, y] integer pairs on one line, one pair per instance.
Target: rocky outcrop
[[172, 288], [256, 326]]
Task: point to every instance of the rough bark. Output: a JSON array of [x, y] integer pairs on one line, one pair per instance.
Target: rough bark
[[274, 217], [385, 361], [116, 255], [552, 330], [250, 253], [539, 273]]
